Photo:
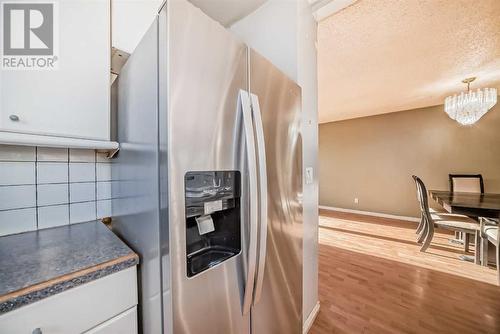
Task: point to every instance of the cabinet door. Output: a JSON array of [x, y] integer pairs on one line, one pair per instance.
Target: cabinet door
[[72, 100], [125, 323]]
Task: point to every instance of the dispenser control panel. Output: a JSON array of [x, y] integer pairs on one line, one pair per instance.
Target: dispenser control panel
[[213, 218]]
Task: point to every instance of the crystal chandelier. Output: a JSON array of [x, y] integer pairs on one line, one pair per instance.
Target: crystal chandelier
[[468, 107]]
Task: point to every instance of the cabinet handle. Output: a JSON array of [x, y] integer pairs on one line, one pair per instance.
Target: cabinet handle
[[15, 118], [37, 331]]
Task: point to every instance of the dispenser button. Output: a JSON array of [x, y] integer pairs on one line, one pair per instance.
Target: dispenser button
[[212, 206]]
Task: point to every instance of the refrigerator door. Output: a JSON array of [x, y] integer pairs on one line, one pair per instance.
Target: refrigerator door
[[279, 309], [206, 68]]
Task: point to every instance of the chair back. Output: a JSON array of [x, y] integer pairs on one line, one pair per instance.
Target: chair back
[[422, 198], [468, 183], [489, 228]]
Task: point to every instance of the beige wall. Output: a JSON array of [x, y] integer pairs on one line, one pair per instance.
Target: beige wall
[[373, 158]]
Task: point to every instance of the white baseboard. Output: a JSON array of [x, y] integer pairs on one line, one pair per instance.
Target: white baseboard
[[310, 319], [368, 213]]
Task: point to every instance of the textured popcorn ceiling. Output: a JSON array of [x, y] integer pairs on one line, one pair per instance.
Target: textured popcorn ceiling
[[381, 56]]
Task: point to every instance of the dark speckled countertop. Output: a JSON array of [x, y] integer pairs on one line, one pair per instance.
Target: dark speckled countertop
[[36, 265]]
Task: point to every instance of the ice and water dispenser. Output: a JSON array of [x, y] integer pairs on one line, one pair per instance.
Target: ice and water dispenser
[[213, 218]]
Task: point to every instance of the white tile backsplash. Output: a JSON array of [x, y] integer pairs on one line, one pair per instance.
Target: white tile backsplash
[[82, 212], [81, 155], [104, 190], [50, 194], [17, 221], [104, 209], [52, 154], [17, 153], [103, 171], [52, 172], [82, 192], [17, 197], [50, 216], [46, 187], [15, 173], [102, 157], [81, 172]]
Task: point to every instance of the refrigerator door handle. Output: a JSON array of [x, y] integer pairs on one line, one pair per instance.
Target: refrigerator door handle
[[261, 153], [244, 107]]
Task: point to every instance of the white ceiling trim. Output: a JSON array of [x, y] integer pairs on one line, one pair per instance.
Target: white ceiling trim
[[324, 8]]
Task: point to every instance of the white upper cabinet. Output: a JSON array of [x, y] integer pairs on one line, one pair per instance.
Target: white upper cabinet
[[72, 100]]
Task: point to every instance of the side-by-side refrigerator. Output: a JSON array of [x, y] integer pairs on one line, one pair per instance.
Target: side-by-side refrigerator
[[208, 181]]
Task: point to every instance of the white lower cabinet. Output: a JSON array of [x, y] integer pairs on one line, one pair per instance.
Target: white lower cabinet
[[125, 323], [106, 305]]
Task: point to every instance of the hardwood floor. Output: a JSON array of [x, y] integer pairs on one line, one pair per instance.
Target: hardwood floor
[[374, 279]]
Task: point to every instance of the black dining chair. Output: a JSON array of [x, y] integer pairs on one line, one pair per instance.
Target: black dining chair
[[431, 220], [466, 183]]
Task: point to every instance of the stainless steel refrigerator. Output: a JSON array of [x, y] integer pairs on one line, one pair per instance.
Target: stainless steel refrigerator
[[207, 185]]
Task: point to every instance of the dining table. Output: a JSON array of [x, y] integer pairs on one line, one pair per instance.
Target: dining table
[[473, 205]]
